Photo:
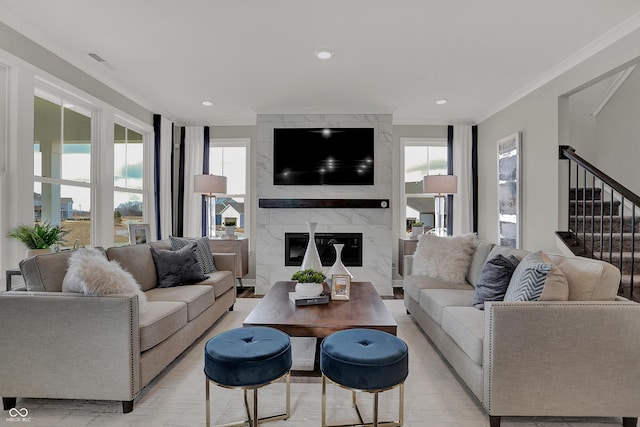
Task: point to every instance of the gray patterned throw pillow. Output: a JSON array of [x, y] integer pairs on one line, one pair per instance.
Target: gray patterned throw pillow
[[203, 253], [529, 278]]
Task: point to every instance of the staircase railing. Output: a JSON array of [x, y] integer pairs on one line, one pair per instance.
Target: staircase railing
[[597, 203]]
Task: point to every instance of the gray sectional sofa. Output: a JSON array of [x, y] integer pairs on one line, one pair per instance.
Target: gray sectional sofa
[[70, 346], [542, 358]]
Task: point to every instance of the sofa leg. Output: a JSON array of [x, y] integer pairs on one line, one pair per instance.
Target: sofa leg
[[629, 422], [494, 421], [9, 402], [127, 406], [231, 308]]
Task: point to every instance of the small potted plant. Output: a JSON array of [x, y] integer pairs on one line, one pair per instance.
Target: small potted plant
[[417, 228], [38, 238], [310, 282]]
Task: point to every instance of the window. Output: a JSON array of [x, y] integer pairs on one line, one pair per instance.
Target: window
[[421, 157], [62, 149], [128, 181], [228, 157]]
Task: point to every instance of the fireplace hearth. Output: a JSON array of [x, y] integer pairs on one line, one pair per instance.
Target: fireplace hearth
[[296, 245]]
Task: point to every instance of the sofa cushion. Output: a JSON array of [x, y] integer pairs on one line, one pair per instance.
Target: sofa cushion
[[494, 280], [203, 251], [179, 267], [160, 320], [45, 273], [589, 279], [414, 284], [529, 278], [465, 326], [480, 256], [556, 287], [506, 251], [221, 281], [197, 297], [444, 258], [433, 301], [91, 273], [137, 260]]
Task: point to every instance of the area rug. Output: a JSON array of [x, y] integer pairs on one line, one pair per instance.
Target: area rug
[[434, 397]]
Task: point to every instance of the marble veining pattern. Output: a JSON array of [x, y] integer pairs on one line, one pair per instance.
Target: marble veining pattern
[[374, 224]]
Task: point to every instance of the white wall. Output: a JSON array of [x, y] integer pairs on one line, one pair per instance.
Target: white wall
[[537, 117], [618, 135]]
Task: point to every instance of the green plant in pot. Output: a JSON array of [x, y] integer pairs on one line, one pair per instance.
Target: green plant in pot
[[310, 282], [417, 228], [39, 237]]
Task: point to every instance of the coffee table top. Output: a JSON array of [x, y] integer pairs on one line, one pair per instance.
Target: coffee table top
[[364, 309]]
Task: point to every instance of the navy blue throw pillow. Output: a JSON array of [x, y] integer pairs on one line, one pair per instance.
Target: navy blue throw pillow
[[494, 280]]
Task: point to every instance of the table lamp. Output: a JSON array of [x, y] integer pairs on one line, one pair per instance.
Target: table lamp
[[440, 185], [210, 186]]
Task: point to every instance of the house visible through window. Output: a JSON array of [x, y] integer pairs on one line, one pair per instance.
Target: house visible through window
[[228, 157], [421, 157], [128, 180], [62, 149]]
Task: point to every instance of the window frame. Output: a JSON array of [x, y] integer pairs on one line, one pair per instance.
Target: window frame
[[413, 142], [46, 91], [246, 143], [147, 174]]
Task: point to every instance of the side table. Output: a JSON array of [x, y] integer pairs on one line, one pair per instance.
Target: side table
[[235, 245]]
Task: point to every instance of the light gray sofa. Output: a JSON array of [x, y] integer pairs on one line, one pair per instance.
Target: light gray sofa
[[70, 346], [544, 358]]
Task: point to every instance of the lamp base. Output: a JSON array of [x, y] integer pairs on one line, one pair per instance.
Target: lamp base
[[440, 229]]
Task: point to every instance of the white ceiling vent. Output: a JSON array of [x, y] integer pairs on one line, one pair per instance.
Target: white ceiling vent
[[101, 60]]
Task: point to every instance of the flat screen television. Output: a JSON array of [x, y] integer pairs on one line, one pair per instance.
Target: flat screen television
[[323, 156]]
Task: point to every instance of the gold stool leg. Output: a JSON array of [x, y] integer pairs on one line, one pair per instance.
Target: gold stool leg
[[208, 408], [255, 407], [324, 401]]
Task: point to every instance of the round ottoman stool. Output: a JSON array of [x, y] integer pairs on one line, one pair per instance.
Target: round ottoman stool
[[365, 360], [248, 358]]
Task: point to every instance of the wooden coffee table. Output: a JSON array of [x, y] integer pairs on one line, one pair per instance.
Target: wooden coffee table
[[364, 309]]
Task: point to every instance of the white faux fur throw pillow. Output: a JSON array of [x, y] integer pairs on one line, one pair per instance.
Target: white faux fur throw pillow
[[91, 273], [444, 258]]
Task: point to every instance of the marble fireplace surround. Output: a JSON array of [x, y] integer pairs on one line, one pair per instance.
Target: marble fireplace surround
[[352, 209]]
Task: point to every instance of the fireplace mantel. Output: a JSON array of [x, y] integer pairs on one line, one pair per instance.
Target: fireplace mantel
[[324, 203]]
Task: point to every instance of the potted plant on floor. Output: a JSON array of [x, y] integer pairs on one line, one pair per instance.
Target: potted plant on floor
[[39, 237], [310, 282]]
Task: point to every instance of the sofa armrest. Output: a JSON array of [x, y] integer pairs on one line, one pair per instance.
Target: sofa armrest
[[562, 358], [70, 346], [225, 262]]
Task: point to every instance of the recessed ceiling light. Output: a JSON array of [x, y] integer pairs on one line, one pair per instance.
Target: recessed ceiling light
[[441, 101], [207, 103], [324, 54]]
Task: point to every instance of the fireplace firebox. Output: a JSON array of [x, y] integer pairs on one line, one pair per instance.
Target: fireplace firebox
[[296, 245]]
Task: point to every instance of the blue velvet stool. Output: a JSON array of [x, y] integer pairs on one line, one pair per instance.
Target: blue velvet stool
[[248, 358], [365, 360]]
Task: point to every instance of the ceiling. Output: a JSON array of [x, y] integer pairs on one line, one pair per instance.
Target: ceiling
[[256, 57]]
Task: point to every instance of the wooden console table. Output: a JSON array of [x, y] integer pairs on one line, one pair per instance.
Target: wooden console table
[[238, 246]]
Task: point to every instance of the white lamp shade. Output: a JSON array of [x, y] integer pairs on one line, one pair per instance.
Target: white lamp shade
[[210, 184], [440, 184]]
